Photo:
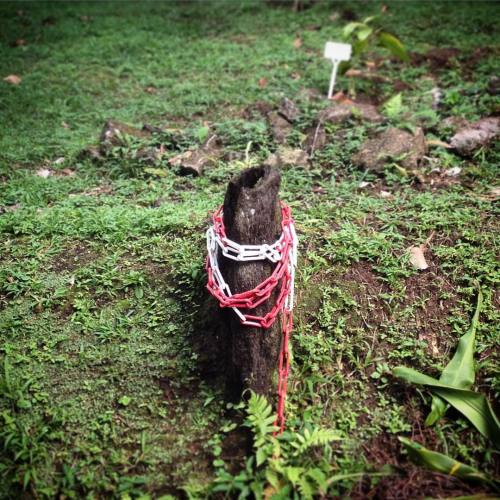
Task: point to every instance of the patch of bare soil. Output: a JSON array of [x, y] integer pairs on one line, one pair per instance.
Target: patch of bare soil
[[415, 483], [433, 296], [77, 256], [366, 288]]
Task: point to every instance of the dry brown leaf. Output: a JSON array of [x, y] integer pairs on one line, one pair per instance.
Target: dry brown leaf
[[262, 82], [13, 79], [341, 98], [437, 142], [367, 75], [417, 258], [297, 43]]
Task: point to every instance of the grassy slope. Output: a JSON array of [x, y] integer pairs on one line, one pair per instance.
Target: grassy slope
[[99, 287]]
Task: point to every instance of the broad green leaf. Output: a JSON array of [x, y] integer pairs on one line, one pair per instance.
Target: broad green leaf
[[261, 456], [350, 28], [471, 404], [459, 372], [125, 400], [359, 47], [441, 463], [364, 33], [394, 45], [369, 19]]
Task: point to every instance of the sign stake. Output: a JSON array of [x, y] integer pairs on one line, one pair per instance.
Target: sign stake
[[336, 52]]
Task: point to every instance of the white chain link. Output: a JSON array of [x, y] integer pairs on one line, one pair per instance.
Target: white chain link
[[246, 253]]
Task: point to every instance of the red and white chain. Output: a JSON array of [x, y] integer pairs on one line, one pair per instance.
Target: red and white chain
[[283, 253]]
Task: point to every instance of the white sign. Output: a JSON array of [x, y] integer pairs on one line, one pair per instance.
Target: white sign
[[336, 52]]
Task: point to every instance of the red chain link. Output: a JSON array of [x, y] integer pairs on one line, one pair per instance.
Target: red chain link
[[250, 299]]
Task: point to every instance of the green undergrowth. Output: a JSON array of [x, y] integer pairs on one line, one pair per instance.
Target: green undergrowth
[[101, 263]]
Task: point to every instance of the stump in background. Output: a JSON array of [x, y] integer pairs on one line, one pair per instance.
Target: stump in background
[[252, 216]]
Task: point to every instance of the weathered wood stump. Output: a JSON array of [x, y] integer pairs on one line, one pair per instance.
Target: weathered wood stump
[[252, 216]]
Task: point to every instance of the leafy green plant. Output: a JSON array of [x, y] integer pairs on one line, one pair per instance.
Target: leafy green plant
[[453, 386], [459, 372], [365, 34], [282, 466], [444, 464]]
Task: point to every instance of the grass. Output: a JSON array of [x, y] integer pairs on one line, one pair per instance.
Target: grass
[[101, 272]]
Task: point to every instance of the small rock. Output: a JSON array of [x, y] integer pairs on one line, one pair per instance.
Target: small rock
[[339, 113], [392, 144], [453, 172], [287, 156], [280, 128], [112, 134], [315, 139], [44, 172], [385, 194], [91, 152], [13, 79], [363, 184], [288, 110], [261, 108], [273, 161], [10, 208], [452, 123], [296, 157], [478, 134], [59, 160], [417, 258], [193, 162], [65, 172]]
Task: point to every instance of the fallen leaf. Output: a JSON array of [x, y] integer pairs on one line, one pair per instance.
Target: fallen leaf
[[151, 90], [417, 258], [297, 43], [262, 83], [437, 142], [367, 75], [341, 98], [44, 172], [363, 184], [59, 160], [66, 172], [13, 79], [19, 42], [385, 194]]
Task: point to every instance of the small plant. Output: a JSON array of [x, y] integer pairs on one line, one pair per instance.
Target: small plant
[[453, 387], [366, 34], [296, 464]]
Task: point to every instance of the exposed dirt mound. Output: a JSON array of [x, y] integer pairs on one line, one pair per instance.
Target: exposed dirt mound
[[75, 257]]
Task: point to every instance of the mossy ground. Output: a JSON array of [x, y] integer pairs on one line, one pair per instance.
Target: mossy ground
[[101, 271]]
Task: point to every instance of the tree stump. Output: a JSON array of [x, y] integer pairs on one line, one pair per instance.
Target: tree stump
[[252, 216]]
